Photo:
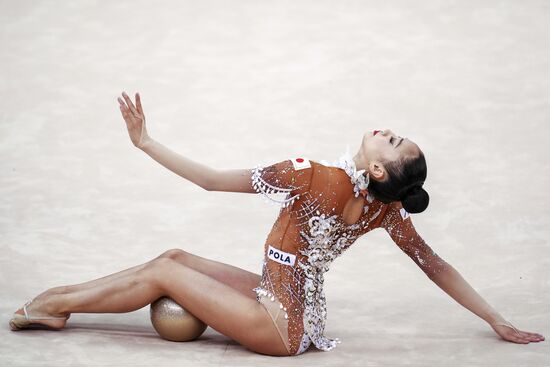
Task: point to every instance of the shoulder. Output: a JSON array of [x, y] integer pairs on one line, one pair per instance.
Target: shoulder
[[292, 164], [395, 214], [293, 168], [283, 176]]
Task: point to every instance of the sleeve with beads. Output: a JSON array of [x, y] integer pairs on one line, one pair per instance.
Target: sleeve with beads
[[289, 178], [398, 223]]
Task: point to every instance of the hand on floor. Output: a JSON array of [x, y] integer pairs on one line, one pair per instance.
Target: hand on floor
[[510, 333]]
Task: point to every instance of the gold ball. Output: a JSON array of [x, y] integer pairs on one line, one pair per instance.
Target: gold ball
[[173, 322]]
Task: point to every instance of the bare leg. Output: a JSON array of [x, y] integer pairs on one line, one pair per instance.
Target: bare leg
[[217, 304], [237, 278]]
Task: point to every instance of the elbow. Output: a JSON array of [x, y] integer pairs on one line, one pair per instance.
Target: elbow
[[207, 187], [437, 267], [208, 183]]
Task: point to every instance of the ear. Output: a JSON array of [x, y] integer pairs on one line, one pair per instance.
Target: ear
[[377, 171]]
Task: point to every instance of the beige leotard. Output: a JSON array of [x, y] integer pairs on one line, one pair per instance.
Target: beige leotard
[[322, 214]]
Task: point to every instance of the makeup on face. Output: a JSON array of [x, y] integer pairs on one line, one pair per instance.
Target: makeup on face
[[379, 131]]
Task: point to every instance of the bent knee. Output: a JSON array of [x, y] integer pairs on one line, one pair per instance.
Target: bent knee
[[161, 262], [174, 254], [158, 269]]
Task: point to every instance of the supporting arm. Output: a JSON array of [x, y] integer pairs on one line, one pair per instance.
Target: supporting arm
[[399, 226], [450, 281]]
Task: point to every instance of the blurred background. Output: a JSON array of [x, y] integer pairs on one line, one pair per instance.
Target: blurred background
[[240, 83]]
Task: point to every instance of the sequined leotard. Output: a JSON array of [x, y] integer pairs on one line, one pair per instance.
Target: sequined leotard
[[312, 229]]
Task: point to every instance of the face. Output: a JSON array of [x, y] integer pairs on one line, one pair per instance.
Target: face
[[380, 146]]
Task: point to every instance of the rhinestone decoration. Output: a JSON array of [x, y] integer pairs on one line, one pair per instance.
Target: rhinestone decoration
[[263, 187], [304, 344], [411, 243], [358, 179], [319, 235], [325, 243]]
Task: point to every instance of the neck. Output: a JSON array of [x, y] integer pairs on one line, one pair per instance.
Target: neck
[[360, 161]]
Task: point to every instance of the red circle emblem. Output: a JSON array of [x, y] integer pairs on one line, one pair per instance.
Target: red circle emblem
[[299, 160]]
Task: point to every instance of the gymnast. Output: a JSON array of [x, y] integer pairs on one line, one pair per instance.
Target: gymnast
[[324, 207]]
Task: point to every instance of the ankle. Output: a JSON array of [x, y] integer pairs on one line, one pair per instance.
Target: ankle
[[51, 304]]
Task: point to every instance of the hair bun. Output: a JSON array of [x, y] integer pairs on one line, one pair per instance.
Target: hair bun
[[416, 200]]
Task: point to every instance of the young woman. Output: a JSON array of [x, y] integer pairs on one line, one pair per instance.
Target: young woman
[[326, 207]]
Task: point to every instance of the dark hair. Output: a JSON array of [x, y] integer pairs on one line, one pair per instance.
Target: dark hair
[[404, 183]]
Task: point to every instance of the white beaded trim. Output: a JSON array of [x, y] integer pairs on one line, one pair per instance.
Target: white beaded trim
[[263, 187], [263, 292]]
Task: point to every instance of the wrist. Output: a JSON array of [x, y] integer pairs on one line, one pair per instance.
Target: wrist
[[146, 144], [494, 317]]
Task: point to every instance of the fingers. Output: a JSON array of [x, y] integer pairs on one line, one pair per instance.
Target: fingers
[[531, 336], [138, 104], [517, 339], [537, 335], [128, 109], [514, 336], [123, 109], [524, 337], [519, 336], [129, 103]]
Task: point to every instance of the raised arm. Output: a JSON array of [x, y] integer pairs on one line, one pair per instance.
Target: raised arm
[[237, 180], [196, 172], [231, 180], [399, 226], [278, 178]]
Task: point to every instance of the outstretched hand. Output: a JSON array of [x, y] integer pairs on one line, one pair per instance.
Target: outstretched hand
[[135, 120], [508, 332]]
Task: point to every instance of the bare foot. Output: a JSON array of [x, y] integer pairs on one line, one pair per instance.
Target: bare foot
[[38, 316]]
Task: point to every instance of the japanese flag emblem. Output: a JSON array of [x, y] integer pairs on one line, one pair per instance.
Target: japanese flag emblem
[[300, 163]]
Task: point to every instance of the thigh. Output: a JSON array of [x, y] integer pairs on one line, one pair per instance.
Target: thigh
[[220, 306], [240, 279]]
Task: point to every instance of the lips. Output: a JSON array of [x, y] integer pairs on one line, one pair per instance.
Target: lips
[[376, 132]]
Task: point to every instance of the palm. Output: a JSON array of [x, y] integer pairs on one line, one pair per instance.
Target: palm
[[510, 333], [135, 119]]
